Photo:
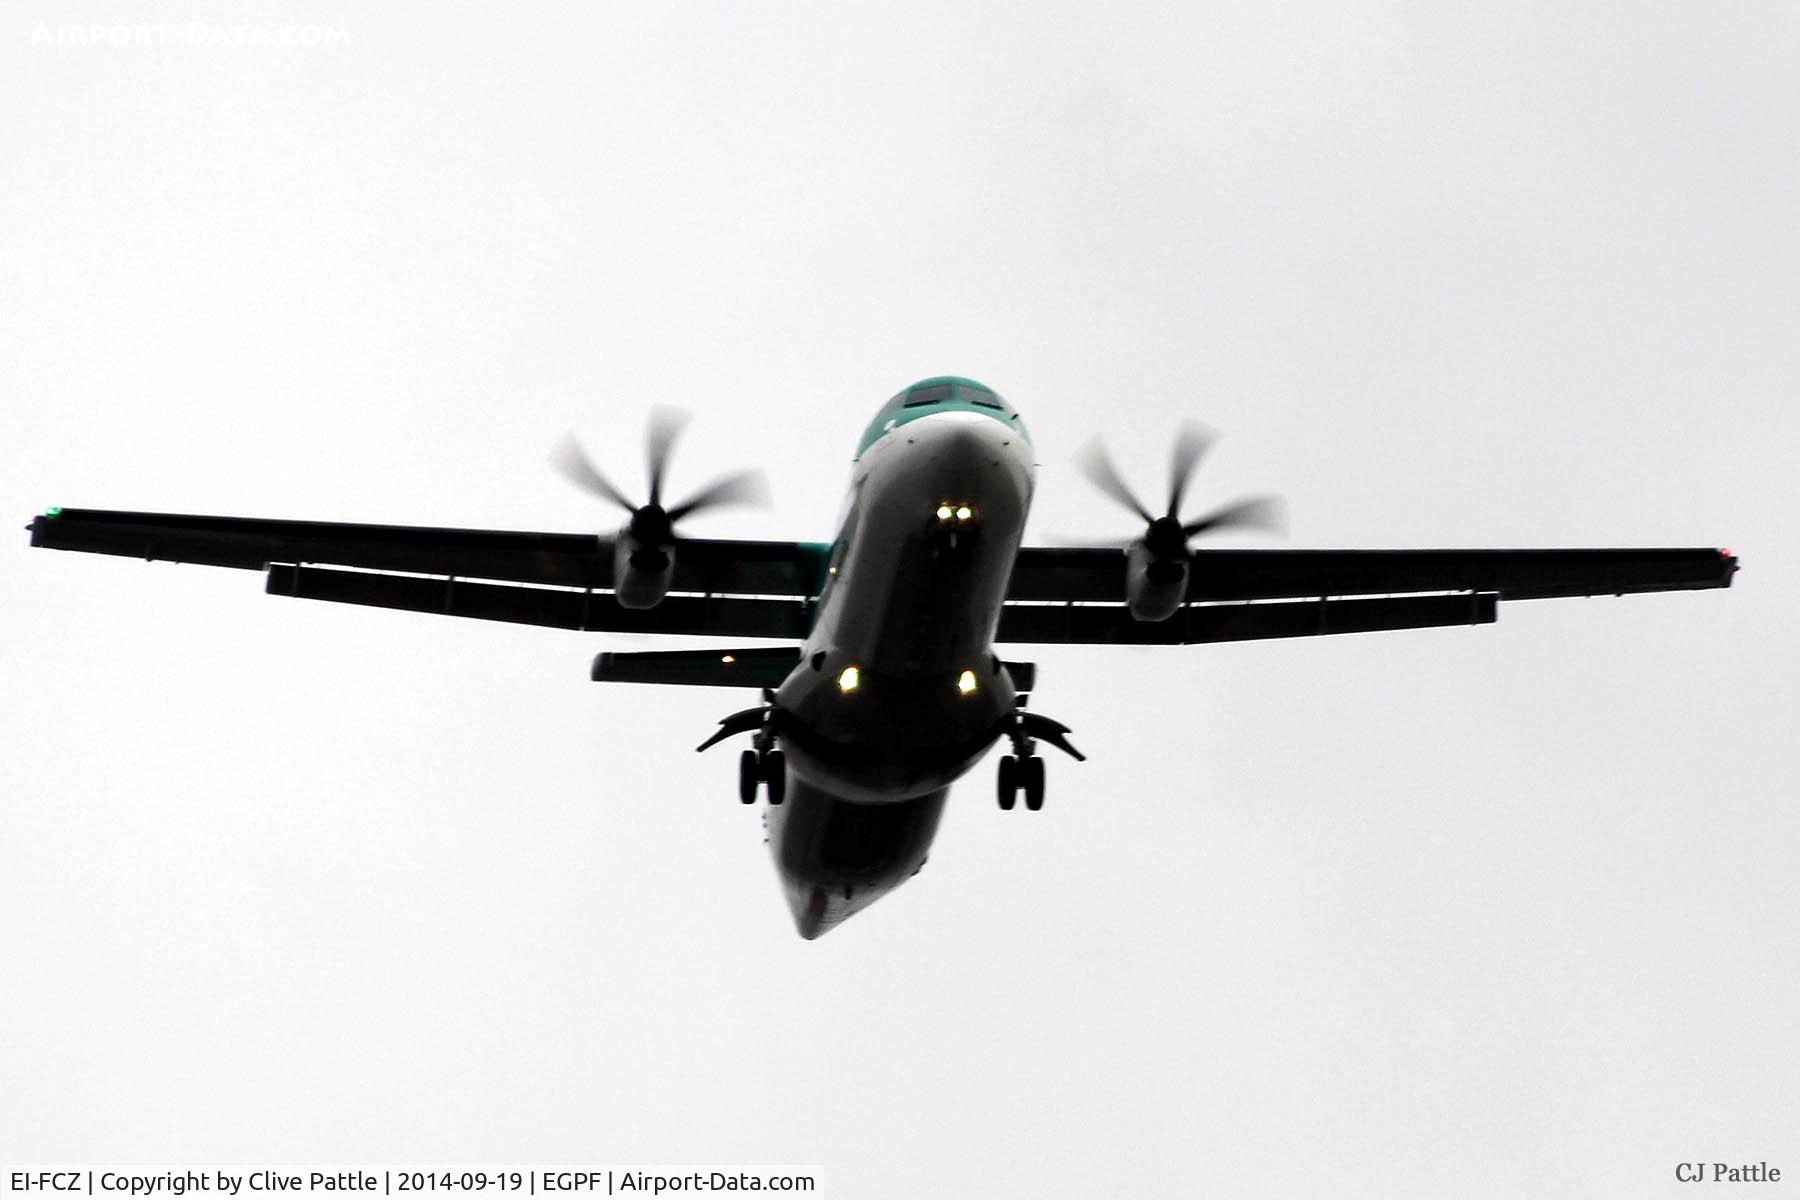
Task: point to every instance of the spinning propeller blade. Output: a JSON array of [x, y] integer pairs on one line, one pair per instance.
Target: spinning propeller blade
[[1169, 534], [650, 520]]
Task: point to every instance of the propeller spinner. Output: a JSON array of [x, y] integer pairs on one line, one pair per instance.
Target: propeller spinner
[[1157, 562], [644, 550]]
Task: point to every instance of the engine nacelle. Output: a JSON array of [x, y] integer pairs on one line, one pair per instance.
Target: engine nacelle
[[642, 570], [1155, 584]]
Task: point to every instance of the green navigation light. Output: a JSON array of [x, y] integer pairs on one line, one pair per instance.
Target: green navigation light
[[53, 511]]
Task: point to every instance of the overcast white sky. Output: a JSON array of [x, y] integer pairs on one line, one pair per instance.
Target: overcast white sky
[[1480, 912]]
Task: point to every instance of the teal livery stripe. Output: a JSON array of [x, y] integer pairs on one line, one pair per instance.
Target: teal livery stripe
[[941, 393]]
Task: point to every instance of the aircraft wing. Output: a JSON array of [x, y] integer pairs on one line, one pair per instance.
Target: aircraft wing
[[767, 589], [1078, 595], [742, 588]]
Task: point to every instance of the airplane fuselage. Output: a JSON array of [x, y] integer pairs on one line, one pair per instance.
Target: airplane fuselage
[[898, 691]]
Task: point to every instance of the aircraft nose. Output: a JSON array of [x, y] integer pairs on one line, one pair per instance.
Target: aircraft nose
[[974, 443], [973, 455]]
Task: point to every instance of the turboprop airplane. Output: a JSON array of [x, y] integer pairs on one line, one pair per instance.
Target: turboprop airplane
[[886, 686]]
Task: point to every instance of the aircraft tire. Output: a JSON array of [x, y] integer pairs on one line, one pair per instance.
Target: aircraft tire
[[774, 774], [1032, 770], [749, 773], [1007, 782]]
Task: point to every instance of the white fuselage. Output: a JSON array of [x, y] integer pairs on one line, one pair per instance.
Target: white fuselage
[[903, 599], [898, 691], [910, 605]]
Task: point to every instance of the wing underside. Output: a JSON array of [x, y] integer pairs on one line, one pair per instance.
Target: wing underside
[[1078, 595], [1098, 575], [768, 589], [575, 560]]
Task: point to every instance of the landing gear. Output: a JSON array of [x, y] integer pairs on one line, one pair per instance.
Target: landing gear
[[1025, 773], [758, 767], [1033, 771], [763, 763], [1023, 769], [774, 774], [749, 775]]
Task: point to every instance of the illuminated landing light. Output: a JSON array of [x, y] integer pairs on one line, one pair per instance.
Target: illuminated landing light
[[964, 513], [848, 678], [944, 513], [965, 683], [727, 658]]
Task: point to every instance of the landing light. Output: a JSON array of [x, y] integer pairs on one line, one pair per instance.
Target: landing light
[[943, 513], [848, 678], [964, 513], [965, 683], [727, 658]]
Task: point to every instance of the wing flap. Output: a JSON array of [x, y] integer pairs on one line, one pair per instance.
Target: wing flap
[[1511, 574], [731, 616], [756, 666], [1093, 574], [1197, 623]]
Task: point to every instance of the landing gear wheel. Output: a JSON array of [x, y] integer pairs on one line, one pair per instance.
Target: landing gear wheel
[[1032, 770], [749, 773], [774, 774], [1007, 782]]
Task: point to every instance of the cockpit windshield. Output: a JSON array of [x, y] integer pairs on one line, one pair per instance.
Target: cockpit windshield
[[919, 397], [942, 393]]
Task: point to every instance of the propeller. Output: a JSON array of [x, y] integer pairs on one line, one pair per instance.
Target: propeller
[[651, 522], [1167, 536]]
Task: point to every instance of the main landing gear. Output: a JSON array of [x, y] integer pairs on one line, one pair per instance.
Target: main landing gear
[[763, 764], [1023, 769], [762, 767], [1021, 773]]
